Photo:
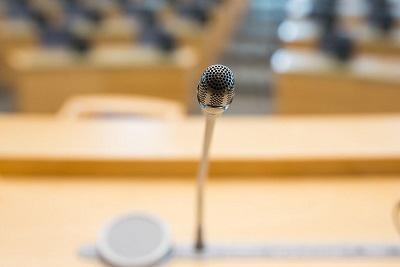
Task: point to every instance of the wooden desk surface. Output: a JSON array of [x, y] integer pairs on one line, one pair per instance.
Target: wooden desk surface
[[241, 145], [308, 62], [121, 56], [45, 220]]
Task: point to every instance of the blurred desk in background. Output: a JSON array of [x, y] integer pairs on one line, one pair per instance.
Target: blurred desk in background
[[45, 221], [19, 34], [312, 82], [242, 146], [44, 79]]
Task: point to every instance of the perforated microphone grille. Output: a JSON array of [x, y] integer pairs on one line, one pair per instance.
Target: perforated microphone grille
[[216, 87]]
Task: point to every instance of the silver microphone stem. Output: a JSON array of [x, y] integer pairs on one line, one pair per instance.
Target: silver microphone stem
[[215, 92], [211, 114]]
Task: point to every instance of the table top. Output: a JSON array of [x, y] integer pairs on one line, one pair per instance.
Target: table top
[[241, 145], [46, 220], [310, 62], [118, 56]]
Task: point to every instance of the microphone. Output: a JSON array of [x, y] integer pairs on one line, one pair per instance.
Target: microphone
[[216, 89], [215, 92]]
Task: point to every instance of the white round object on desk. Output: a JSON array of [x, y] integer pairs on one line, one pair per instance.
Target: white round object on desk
[[134, 240]]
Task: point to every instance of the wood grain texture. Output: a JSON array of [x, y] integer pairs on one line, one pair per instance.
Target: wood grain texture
[[38, 144], [45, 220], [44, 79]]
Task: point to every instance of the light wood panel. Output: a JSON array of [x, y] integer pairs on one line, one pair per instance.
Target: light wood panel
[[46, 220], [44, 79], [241, 145]]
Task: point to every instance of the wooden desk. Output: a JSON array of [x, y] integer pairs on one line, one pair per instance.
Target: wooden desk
[[251, 146], [312, 82], [44, 79], [46, 220], [18, 34]]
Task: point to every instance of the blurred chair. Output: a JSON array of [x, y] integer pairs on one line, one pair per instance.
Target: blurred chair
[[381, 16], [52, 24], [16, 9], [153, 33], [194, 10], [119, 105]]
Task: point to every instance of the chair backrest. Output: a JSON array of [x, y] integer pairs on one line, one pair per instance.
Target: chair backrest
[[114, 105]]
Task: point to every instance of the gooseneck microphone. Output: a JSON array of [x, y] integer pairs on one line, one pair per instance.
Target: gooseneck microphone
[[215, 92]]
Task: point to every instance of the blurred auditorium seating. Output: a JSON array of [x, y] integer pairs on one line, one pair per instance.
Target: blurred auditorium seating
[[118, 105], [335, 63], [116, 25], [37, 28], [305, 33], [373, 25]]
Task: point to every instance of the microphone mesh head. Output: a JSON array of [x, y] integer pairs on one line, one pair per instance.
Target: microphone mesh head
[[216, 87]]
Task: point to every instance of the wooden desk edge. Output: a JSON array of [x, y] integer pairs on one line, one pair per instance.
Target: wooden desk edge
[[188, 167]]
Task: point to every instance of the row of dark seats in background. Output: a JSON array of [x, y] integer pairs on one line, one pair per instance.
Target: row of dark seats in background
[[56, 19], [335, 40]]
